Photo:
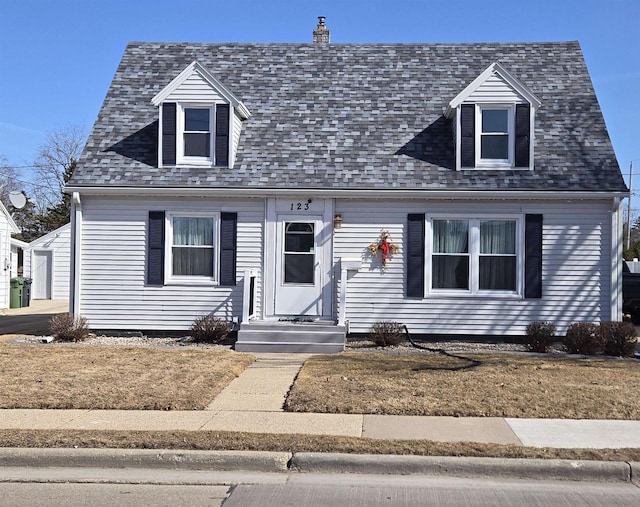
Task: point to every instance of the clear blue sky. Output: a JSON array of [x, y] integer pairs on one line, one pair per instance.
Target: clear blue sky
[[57, 57]]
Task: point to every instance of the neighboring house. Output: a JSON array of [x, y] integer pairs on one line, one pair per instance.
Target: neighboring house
[[17, 256], [47, 263], [7, 227], [248, 181]]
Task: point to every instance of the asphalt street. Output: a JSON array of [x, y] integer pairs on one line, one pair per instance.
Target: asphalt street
[[125, 487]]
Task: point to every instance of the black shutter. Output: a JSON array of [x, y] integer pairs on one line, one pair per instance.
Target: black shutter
[[222, 134], [523, 114], [228, 248], [155, 248], [468, 135], [533, 256], [168, 133], [415, 255]]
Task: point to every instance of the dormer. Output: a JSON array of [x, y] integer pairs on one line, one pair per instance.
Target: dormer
[[493, 120], [200, 120]]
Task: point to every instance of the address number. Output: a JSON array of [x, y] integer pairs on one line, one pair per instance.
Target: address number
[[299, 206]]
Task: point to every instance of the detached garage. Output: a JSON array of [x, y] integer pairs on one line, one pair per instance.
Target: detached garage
[[46, 262]]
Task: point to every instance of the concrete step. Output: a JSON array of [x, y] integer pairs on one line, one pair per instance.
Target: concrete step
[[274, 336], [284, 347]]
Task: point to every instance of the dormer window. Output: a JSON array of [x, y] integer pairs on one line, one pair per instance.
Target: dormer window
[[495, 143], [200, 120], [197, 132], [493, 122]]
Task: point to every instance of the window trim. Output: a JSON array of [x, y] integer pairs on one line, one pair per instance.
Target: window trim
[[170, 278], [484, 163], [181, 158], [474, 255]]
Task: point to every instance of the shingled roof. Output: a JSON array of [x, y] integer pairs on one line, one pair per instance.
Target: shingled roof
[[353, 116]]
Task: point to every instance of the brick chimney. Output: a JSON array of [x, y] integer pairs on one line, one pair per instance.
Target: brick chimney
[[321, 33]]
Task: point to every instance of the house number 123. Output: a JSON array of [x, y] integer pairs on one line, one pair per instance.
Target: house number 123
[[299, 206]]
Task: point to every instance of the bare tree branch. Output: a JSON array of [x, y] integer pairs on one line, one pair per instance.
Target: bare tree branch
[[55, 157]]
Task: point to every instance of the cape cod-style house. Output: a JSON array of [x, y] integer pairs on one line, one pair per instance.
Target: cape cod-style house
[[250, 181]]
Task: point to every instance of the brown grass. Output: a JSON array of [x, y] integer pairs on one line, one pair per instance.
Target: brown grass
[[500, 385], [210, 440], [92, 377]]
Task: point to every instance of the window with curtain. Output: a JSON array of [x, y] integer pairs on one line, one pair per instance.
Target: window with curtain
[[450, 259], [474, 255], [497, 256], [193, 246]]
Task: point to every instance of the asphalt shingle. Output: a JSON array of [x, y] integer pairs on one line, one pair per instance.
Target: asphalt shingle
[[356, 116]]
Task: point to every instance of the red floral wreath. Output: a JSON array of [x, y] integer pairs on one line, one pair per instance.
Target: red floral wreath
[[386, 246]]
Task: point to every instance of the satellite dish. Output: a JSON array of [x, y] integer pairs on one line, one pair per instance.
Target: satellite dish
[[18, 199]]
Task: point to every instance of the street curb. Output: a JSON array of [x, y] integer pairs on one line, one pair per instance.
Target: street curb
[[257, 461], [635, 472], [507, 468], [262, 461]]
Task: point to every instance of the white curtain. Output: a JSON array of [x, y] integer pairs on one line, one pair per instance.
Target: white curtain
[[450, 236], [498, 237]]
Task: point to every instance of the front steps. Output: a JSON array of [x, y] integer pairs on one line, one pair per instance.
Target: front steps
[[276, 336]]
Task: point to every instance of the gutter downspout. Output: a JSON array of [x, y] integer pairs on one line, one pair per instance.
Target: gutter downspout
[[76, 240]]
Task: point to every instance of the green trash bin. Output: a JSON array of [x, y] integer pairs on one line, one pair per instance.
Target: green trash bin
[[15, 292]]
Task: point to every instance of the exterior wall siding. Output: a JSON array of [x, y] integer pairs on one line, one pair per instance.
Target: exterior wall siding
[[113, 289], [576, 269], [237, 129], [5, 275], [494, 89], [58, 242], [195, 88]]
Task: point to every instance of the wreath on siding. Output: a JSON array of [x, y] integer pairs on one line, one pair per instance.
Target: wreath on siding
[[385, 246]]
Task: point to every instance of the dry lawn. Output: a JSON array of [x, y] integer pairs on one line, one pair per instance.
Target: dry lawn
[[222, 440], [497, 385], [88, 377]]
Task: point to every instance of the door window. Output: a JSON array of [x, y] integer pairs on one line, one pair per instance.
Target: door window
[[299, 253]]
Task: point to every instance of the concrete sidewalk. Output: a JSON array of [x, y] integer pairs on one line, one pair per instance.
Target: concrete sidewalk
[[253, 403]]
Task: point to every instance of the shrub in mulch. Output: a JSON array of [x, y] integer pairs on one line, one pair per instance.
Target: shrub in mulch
[[540, 336], [583, 338], [69, 328], [209, 329], [386, 333]]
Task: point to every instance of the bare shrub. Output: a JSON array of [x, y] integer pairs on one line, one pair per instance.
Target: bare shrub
[[385, 333], [618, 338], [69, 328], [540, 335], [583, 338], [209, 329]]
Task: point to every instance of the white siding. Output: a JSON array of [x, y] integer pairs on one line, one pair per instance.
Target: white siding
[[237, 129], [113, 292], [494, 89], [59, 243], [5, 275], [576, 269], [195, 89]]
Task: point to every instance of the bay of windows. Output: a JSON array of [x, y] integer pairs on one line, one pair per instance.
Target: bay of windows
[[474, 255]]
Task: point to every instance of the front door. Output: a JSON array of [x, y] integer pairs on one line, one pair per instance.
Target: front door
[[298, 266]]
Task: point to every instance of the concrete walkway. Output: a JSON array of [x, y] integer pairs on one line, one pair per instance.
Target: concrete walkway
[[253, 403]]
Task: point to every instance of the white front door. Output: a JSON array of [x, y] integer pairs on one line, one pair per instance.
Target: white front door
[[298, 266], [42, 273]]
